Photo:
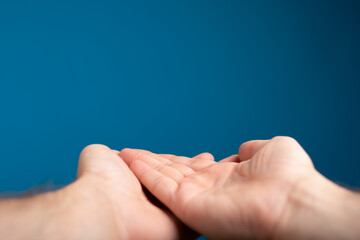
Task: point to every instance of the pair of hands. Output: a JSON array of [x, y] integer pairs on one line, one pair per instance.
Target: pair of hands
[[267, 190]]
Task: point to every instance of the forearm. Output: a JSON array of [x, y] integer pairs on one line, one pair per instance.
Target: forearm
[[321, 209], [69, 213], [23, 218]]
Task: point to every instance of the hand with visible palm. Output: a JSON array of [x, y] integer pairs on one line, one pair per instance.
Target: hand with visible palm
[[246, 195]]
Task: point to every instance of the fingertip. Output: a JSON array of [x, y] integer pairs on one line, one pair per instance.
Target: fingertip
[[125, 154], [205, 155], [128, 152], [232, 158], [139, 167], [131, 154]]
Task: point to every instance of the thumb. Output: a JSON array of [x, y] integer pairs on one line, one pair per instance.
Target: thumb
[[96, 158], [248, 149], [288, 148]]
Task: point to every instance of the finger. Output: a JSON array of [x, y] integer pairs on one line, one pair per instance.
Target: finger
[[163, 165], [176, 159], [129, 155], [195, 164], [183, 164], [206, 156], [232, 158], [168, 156], [179, 163], [248, 149], [161, 186]]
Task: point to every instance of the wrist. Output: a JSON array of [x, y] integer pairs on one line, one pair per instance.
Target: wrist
[[22, 217], [318, 208], [78, 211]]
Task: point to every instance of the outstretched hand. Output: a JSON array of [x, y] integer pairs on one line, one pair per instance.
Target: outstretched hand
[[245, 195]]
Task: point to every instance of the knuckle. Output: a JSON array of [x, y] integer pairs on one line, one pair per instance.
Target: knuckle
[[124, 150], [160, 166], [142, 155]]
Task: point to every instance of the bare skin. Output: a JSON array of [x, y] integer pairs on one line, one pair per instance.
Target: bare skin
[[105, 202], [269, 190]]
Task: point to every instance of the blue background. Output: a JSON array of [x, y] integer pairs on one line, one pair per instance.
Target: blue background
[[178, 77]]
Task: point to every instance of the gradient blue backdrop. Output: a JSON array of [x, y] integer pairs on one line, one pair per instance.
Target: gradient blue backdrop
[[179, 77]]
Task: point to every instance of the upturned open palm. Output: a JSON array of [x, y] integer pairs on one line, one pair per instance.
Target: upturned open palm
[[236, 197]]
